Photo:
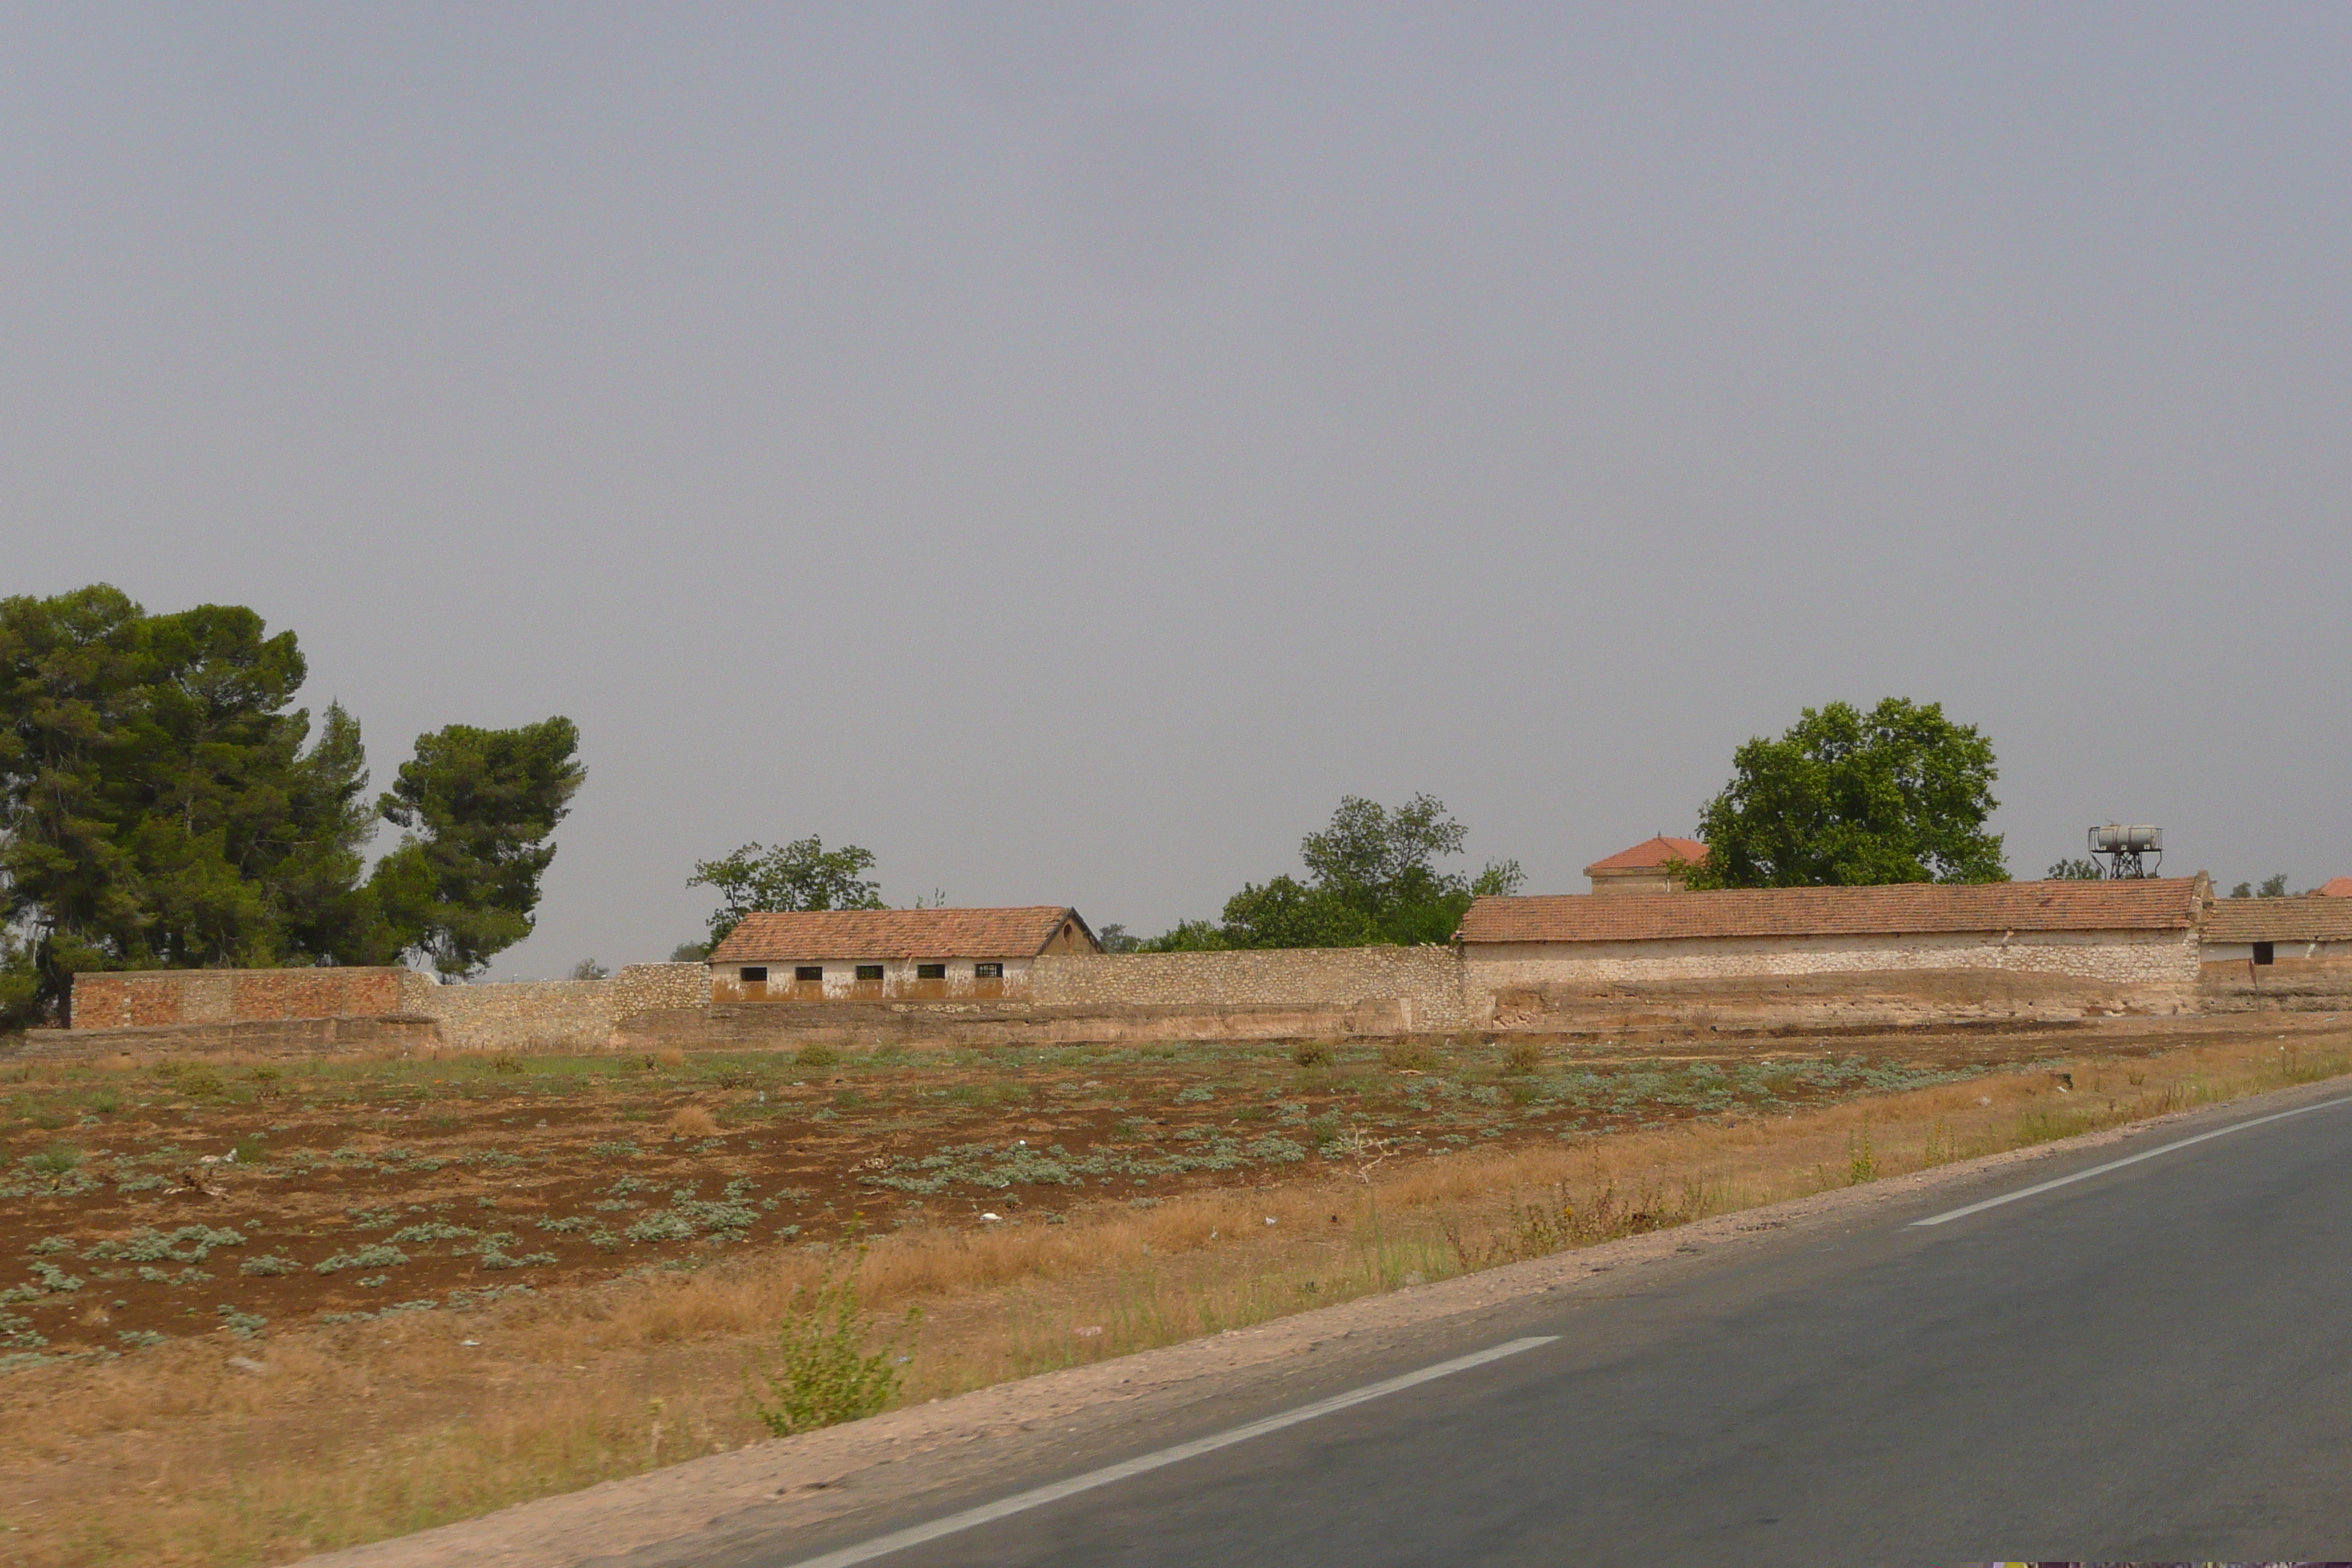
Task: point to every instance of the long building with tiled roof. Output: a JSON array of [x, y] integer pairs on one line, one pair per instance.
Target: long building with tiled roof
[[825, 955]]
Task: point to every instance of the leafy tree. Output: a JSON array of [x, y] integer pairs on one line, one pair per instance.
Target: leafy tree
[[480, 805], [2080, 869], [1116, 938], [1898, 795], [2272, 888], [1287, 912], [1187, 936], [803, 875], [164, 804], [158, 807], [1372, 881], [20, 981]]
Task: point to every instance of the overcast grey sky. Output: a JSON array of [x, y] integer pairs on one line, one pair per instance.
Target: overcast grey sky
[[1064, 449]]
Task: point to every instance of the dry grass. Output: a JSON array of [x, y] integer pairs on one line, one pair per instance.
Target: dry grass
[[693, 1121], [373, 1429]]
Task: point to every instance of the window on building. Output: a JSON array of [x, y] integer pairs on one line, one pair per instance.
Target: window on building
[[988, 972], [930, 972], [809, 972], [2265, 952], [755, 974], [869, 972]]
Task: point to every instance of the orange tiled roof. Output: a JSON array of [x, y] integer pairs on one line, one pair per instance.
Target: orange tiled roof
[[2336, 887], [1651, 854], [2152, 904], [895, 933], [2278, 919]]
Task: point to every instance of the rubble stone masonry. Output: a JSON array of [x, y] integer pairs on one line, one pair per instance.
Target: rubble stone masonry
[[2163, 964], [552, 1015], [1426, 981]]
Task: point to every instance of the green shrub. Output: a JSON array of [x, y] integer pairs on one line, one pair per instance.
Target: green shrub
[[1522, 1057], [821, 1375], [189, 1243], [663, 1227], [813, 1055], [377, 1256], [57, 1159], [1314, 1054], [1408, 1055], [1862, 1164], [197, 1083]]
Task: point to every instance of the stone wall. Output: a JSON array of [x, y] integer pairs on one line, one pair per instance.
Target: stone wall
[[502, 1015], [2158, 957], [1775, 982], [2305, 977], [1422, 983], [397, 1034], [859, 1026], [143, 998], [552, 1015]]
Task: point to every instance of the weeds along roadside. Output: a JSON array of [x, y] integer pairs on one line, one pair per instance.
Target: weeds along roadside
[[361, 1433]]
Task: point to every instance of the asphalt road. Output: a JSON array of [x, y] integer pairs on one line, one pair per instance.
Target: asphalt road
[[2155, 1363]]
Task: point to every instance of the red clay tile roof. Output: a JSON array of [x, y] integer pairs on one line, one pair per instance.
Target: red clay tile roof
[[1651, 854], [2152, 904], [895, 933], [2278, 919], [2336, 887]]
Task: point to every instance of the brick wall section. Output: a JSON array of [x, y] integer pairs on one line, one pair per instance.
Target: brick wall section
[[499, 1016], [147, 998], [1426, 981]]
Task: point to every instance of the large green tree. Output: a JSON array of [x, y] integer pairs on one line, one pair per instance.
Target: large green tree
[[163, 802], [802, 875], [480, 805], [1900, 793], [1372, 877], [160, 803]]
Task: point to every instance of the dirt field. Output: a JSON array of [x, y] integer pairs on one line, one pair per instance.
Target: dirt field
[[177, 1200], [425, 1288]]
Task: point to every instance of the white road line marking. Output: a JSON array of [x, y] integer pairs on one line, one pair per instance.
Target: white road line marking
[[2126, 1159], [899, 1541]]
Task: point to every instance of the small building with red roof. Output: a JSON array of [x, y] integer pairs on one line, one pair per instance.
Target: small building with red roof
[[1647, 868], [2338, 888]]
